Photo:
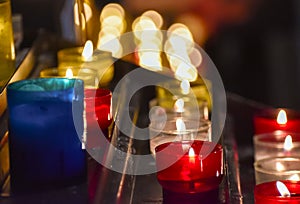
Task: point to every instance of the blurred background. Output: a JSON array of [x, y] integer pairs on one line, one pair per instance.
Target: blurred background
[[255, 44]]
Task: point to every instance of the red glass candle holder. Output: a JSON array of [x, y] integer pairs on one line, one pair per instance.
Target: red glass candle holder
[[186, 173], [266, 121], [98, 114], [267, 193]]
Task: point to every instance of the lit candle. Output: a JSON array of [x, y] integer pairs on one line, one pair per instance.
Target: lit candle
[[277, 143], [85, 57], [277, 192], [177, 129], [89, 76], [198, 169], [271, 120]]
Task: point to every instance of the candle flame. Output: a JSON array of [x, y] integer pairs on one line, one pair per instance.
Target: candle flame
[[294, 177], [69, 73], [283, 190], [180, 125], [185, 86], [279, 166], [191, 152], [87, 50], [179, 105], [288, 143], [282, 118]]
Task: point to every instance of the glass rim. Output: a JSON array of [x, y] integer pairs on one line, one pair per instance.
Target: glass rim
[[75, 53], [15, 86], [257, 139], [260, 169], [203, 126]]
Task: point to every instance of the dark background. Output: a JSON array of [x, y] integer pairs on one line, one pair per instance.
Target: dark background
[[258, 58]]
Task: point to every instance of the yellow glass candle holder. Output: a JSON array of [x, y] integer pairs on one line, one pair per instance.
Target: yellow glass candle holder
[[89, 76], [101, 61], [169, 91]]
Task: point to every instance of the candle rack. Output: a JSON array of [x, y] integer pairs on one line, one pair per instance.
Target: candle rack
[[107, 186]]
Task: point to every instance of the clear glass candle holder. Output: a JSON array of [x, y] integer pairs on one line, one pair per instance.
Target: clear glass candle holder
[[276, 144], [89, 76], [101, 61], [162, 131], [277, 168]]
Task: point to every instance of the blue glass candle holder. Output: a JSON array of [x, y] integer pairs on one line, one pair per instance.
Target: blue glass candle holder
[[45, 130]]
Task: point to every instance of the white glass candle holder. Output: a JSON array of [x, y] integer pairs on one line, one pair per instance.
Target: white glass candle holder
[[277, 168]]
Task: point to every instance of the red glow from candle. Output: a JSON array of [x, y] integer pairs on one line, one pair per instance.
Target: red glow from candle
[[192, 172], [266, 121], [267, 193], [98, 113]]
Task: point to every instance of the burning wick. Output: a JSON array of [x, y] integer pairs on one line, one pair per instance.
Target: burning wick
[[283, 190], [69, 73], [192, 155], [288, 143], [282, 118]]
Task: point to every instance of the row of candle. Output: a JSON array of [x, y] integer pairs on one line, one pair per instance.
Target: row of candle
[[276, 153], [188, 161], [66, 107]]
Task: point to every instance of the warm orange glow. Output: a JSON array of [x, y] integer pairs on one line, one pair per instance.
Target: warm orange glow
[[112, 9], [283, 190], [288, 143], [192, 155], [88, 50], [191, 152], [69, 73], [87, 12], [150, 60], [155, 16], [282, 117]]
